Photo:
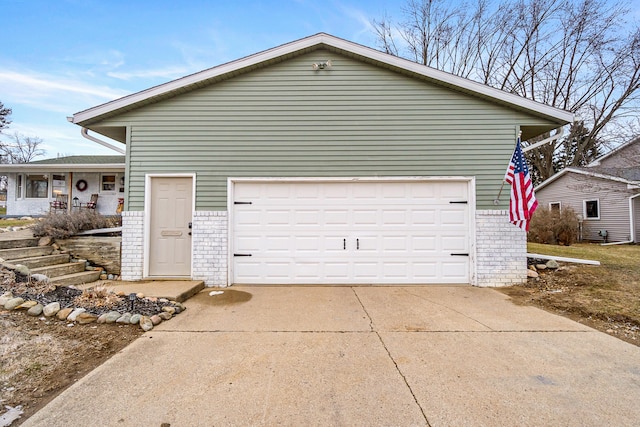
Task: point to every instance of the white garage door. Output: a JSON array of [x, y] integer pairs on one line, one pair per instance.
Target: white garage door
[[378, 232]]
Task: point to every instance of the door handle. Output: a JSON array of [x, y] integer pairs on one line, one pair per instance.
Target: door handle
[[190, 227]]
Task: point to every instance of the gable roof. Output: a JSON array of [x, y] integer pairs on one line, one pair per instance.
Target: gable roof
[[69, 163], [318, 41], [587, 172], [79, 160], [613, 152]]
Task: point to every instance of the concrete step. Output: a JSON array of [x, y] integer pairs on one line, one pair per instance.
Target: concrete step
[[43, 261], [27, 252], [19, 243], [60, 269], [76, 278], [175, 290]]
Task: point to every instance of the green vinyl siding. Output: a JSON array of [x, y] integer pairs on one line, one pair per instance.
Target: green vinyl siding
[[288, 120]]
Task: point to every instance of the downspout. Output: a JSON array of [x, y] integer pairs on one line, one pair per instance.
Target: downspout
[[632, 227], [545, 141], [85, 133]]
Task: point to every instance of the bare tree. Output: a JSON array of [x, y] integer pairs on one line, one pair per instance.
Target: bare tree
[[576, 55], [22, 149], [4, 116]]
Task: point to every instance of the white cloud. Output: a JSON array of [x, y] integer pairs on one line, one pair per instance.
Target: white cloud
[[164, 73], [46, 85]]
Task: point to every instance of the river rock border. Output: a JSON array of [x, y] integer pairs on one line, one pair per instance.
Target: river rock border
[[80, 315]]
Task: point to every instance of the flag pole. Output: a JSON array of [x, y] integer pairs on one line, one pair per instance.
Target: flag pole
[[496, 201]]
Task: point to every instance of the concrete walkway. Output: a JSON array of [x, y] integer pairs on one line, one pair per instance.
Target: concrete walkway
[[335, 356]]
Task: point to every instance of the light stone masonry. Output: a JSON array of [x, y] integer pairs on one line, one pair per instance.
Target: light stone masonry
[[501, 250], [132, 245], [210, 247]]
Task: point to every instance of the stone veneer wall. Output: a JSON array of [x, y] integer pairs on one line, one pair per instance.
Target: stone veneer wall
[[101, 251], [210, 247], [132, 245], [501, 250]]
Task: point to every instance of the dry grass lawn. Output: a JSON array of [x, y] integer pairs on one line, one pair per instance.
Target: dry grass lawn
[[606, 297]]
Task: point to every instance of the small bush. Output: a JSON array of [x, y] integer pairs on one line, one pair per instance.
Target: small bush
[[63, 226], [553, 226]]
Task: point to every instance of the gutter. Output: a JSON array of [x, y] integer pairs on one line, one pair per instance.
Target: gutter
[[545, 141], [85, 133]]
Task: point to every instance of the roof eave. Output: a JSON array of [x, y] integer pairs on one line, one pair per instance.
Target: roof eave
[[30, 167], [552, 113]]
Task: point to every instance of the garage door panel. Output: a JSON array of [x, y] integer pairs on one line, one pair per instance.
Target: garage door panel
[[351, 232], [456, 217]]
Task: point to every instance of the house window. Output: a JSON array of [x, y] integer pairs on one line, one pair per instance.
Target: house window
[[554, 206], [19, 186], [591, 209], [108, 183], [59, 184], [37, 186]]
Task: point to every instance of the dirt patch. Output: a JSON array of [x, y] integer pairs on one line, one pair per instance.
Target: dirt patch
[[41, 358], [605, 298]]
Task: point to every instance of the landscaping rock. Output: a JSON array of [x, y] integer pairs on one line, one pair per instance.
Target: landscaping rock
[[125, 318], [165, 316], [13, 303], [84, 318], [40, 277], [112, 316], [541, 267], [135, 319], [156, 320], [5, 297], [51, 309], [146, 324], [74, 314], [64, 313], [27, 305], [103, 276], [532, 274], [45, 241], [102, 318], [140, 295], [552, 264], [169, 309], [35, 311], [23, 269]]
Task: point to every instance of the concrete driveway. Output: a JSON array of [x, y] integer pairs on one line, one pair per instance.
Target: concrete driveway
[[435, 356]]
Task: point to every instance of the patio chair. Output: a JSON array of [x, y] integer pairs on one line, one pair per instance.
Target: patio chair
[[91, 204], [59, 204]]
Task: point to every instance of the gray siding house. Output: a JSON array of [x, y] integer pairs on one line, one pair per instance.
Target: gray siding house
[[31, 187], [320, 161], [605, 194]]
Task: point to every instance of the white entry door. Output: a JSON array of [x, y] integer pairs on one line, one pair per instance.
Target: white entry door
[[169, 231], [406, 232]]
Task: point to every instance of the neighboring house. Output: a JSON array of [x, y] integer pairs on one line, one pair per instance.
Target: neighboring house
[[32, 186], [320, 161], [605, 194]]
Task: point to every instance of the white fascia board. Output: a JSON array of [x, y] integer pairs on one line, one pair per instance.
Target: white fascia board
[[322, 38], [26, 167]]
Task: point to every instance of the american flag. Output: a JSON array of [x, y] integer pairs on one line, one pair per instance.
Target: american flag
[[523, 200]]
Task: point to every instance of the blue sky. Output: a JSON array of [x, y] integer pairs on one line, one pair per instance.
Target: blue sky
[[63, 56], [59, 57]]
